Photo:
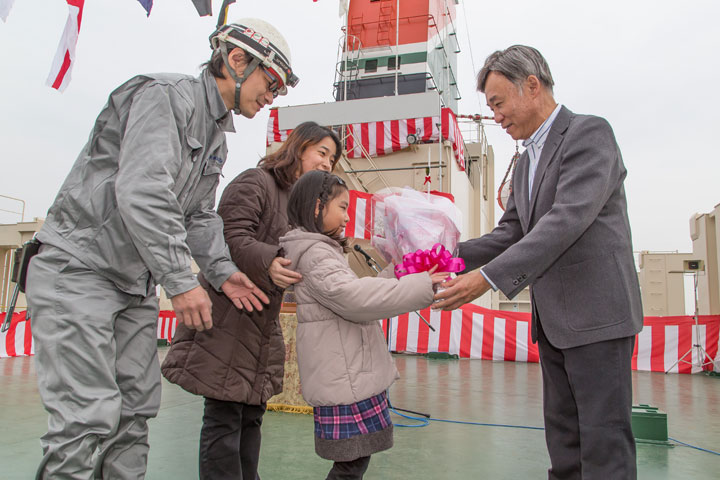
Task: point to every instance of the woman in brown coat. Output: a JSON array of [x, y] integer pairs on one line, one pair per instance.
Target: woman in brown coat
[[238, 364]]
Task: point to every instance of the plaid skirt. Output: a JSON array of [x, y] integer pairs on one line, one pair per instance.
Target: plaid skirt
[[344, 421], [347, 432]]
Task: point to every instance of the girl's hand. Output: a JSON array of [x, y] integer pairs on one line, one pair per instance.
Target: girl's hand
[[437, 277], [281, 276]]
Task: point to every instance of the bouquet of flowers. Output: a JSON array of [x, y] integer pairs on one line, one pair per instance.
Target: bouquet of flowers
[[416, 230]]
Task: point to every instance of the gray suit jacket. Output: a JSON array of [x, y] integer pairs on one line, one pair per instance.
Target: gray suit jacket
[[571, 241]]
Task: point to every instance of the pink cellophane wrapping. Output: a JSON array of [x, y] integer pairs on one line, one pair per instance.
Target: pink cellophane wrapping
[[406, 220]]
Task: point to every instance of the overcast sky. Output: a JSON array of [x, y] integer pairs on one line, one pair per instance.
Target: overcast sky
[[648, 67]]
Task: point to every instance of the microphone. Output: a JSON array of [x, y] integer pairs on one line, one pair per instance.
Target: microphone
[[359, 249], [371, 262]]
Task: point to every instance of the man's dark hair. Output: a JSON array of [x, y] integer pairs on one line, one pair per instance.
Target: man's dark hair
[[215, 64], [285, 164], [304, 196], [516, 63]]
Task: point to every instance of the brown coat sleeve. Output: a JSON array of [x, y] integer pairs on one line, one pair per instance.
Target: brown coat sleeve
[[245, 208]]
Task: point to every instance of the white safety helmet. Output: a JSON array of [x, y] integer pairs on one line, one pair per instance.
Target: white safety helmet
[[267, 47]]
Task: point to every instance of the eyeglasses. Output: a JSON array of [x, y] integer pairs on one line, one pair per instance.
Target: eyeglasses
[[275, 82]]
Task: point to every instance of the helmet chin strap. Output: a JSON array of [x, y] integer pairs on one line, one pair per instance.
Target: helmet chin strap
[[239, 80]]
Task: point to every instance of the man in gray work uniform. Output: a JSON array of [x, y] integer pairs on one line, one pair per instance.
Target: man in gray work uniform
[[136, 205]]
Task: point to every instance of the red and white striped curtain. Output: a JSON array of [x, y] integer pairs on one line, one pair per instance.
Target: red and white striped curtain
[[360, 214], [476, 332], [274, 134], [469, 332], [167, 323], [451, 131], [664, 340], [17, 341], [382, 138]]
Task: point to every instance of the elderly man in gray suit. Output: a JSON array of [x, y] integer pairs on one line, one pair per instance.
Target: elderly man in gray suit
[[566, 234]]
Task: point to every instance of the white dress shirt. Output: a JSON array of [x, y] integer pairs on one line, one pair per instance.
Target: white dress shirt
[[533, 146]]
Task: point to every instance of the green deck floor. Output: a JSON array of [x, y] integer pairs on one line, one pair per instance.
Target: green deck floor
[[466, 390]]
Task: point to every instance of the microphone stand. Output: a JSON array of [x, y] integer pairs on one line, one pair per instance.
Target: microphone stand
[[375, 266], [372, 263]]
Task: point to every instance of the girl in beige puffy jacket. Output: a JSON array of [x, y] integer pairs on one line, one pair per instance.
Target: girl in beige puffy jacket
[[345, 367]]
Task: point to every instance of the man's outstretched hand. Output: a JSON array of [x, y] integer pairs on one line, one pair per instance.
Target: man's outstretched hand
[[193, 308], [243, 293], [460, 290]]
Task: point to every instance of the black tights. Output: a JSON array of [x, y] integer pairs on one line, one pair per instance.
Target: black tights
[[352, 470]]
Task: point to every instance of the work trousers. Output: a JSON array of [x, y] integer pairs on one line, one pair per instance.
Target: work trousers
[[230, 440], [97, 367], [587, 404], [352, 470]]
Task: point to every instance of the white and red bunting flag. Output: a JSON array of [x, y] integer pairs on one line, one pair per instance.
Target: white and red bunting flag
[[5, 6], [59, 76]]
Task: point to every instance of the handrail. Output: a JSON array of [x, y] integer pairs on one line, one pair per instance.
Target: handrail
[[383, 21], [22, 214], [447, 60], [7, 274], [365, 154], [342, 73]]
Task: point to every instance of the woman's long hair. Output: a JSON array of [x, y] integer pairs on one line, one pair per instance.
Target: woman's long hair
[[304, 196], [285, 164]]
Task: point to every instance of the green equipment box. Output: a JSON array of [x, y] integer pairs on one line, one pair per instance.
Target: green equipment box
[[649, 424]]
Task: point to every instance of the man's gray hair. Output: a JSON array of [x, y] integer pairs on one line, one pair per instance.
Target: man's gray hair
[[516, 63]]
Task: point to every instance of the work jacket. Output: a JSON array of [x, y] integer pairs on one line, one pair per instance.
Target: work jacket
[[242, 357], [342, 354], [138, 202]]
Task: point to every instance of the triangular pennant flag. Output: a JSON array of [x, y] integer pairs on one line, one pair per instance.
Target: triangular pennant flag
[[343, 7], [147, 5], [222, 16], [203, 7], [59, 77], [5, 6]]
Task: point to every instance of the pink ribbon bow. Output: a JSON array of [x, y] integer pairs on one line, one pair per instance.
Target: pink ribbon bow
[[424, 260]]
